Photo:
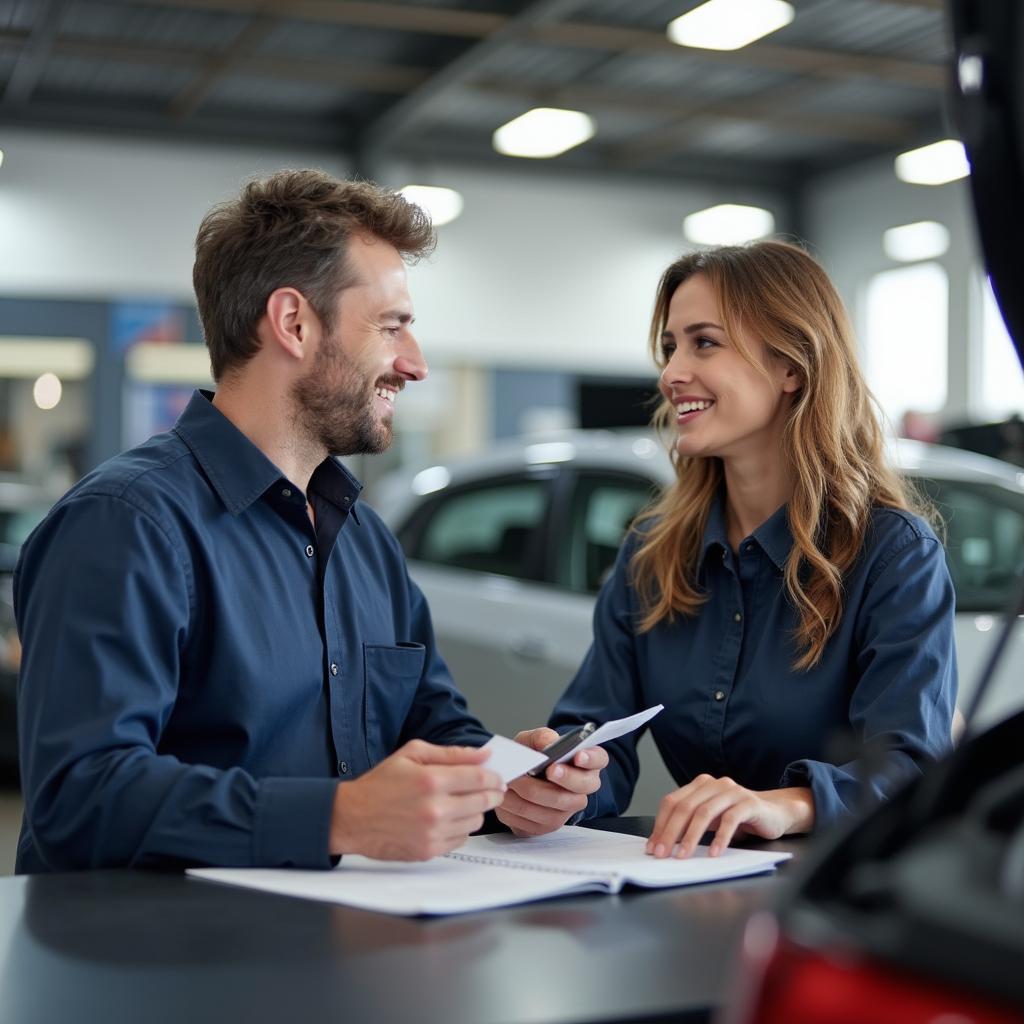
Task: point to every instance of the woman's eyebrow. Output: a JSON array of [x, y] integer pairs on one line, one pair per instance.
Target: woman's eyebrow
[[702, 326]]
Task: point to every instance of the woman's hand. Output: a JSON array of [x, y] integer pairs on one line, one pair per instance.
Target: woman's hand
[[727, 809]]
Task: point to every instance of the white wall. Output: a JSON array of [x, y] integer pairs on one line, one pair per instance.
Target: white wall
[[86, 216], [541, 269], [847, 213], [544, 270]]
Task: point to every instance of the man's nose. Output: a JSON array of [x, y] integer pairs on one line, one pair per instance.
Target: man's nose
[[410, 362]]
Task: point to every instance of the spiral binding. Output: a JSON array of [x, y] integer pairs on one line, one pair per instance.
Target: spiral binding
[[523, 866]]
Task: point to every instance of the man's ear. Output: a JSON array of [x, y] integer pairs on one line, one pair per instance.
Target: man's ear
[[290, 321]]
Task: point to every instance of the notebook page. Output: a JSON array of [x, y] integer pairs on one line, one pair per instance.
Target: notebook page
[[440, 886], [614, 853]]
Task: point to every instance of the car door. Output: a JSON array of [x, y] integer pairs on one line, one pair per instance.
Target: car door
[[983, 525], [511, 640]]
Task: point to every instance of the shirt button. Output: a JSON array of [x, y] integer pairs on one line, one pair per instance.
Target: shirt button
[[343, 767], [737, 617], [719, 694], [346, 501], [309, 550], [334, 668], [286, 493]]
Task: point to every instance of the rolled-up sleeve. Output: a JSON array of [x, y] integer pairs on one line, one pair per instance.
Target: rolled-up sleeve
[[102, 652], [901, 707]]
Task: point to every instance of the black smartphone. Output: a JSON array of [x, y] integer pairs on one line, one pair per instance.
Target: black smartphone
[[563, 745]]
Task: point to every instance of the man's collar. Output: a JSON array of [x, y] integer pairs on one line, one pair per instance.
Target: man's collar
[[238, 471]]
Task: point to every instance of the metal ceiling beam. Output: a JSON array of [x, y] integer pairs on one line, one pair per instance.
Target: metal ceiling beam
[[28, 68], [403, 114], [369, 76], [584, 35], [191, 98], [859, 127], [795, 60]]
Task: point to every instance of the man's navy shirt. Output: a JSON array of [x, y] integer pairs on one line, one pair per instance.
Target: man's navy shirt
[[201, 667], [734, 705]]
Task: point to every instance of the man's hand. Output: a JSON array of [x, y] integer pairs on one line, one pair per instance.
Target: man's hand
[[727, 809], [420, 802], [532, 806]]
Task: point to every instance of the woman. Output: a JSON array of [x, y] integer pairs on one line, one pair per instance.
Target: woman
[[782, 597]]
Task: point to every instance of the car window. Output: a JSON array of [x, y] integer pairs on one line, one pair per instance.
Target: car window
[[984, 538], [602, 508], [488, 528]]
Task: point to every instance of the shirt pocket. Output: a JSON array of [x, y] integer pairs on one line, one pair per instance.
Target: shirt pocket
[[393, 674]]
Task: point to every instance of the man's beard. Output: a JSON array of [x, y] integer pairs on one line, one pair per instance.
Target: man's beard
[[334, 406]]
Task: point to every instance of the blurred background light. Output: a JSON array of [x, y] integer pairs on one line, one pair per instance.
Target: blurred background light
[[429, 480], [729, 24], [27, 358], [728, 224], [442, 205], [47, 390], [933, 165], [159, 362], [923, 240], [543, 132]]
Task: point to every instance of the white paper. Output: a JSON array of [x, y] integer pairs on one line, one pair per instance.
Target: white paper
[[499, 870], [510, 759], [613, 730]]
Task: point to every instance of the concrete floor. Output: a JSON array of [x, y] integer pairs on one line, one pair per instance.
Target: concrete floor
[[10, 826]]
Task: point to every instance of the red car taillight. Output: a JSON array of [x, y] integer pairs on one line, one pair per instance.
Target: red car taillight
[[785, 983]]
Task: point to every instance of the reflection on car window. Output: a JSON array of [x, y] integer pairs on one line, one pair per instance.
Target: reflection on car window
[[984, 527], [603, 507], [488, 528]]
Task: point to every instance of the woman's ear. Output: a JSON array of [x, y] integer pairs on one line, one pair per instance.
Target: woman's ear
[[792, 381]]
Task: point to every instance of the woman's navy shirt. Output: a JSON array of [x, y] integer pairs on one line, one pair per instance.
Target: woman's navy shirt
[[735, 706]]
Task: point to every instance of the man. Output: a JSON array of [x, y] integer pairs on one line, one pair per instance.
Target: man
[[225, 661]]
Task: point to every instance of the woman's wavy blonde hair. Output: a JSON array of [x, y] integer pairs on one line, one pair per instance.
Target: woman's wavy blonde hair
[[833, 439]]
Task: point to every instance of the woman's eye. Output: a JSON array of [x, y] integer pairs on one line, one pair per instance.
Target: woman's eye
[[702, 343], [667, 350]]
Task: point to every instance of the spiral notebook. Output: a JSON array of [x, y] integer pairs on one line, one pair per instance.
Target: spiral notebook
[[497, 871]]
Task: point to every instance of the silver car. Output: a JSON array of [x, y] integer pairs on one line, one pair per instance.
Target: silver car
[[511, 546]]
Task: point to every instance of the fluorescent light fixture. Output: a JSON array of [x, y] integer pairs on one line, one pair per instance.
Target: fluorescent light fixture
[[28, 358], [441, 205], [158, 362], [922, 240], [543, 132], [933, 165], [728, 224], [429, 480], [1, 158], [47, 390], [729, 24]]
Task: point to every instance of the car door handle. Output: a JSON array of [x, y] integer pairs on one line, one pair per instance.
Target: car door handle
[[529, 648]]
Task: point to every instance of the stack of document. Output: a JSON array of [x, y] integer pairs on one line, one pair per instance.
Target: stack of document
[[499, 870]]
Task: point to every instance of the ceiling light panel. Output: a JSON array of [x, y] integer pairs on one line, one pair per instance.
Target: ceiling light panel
[[543, 132], [729, 24], [441, 205], [922, 240], [937, 164], [728, 224]]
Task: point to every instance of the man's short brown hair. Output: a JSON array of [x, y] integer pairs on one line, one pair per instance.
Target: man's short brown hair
[[289, 230]]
